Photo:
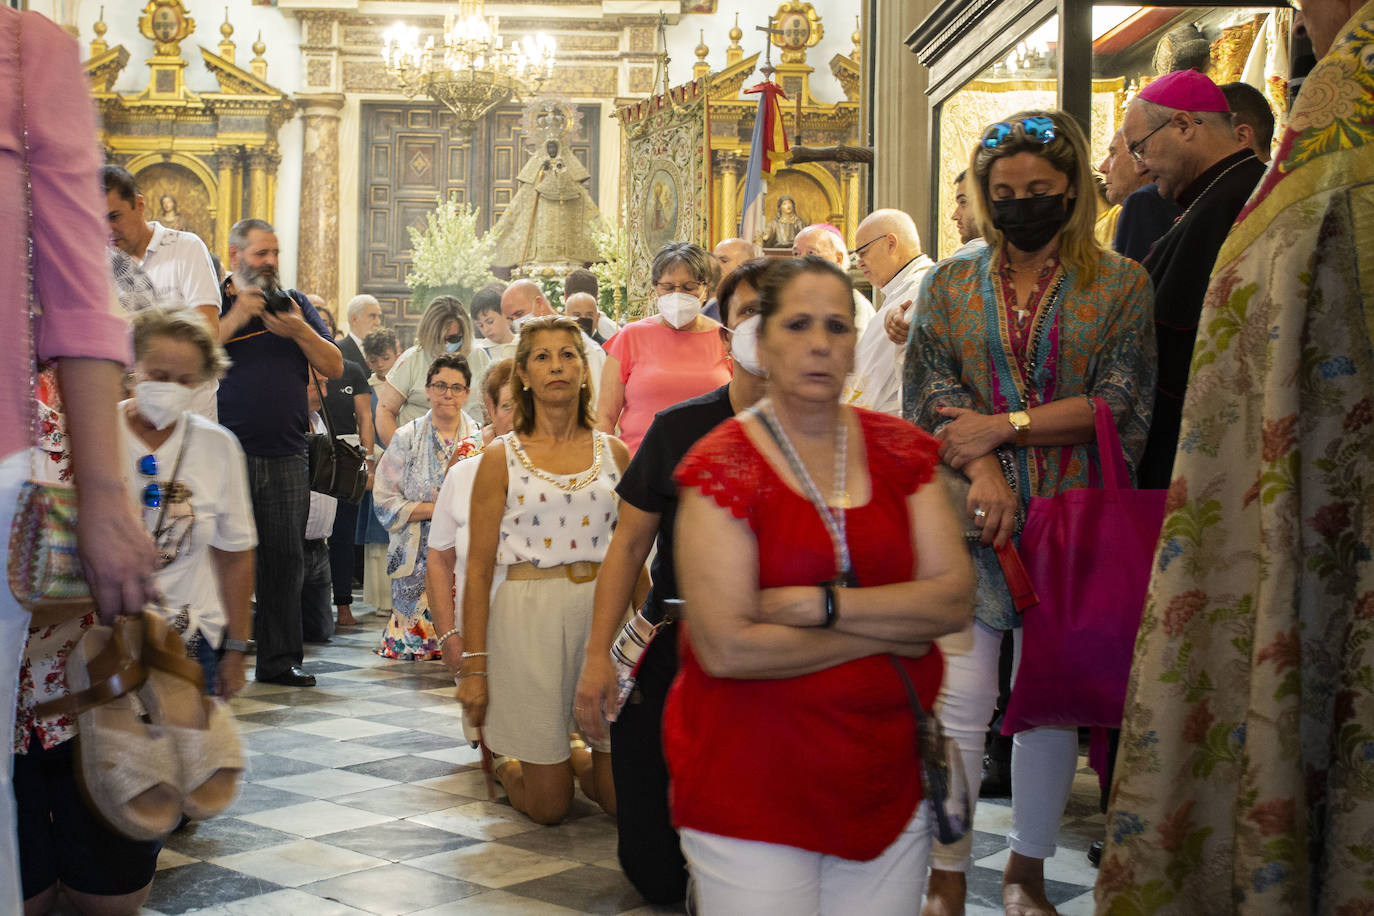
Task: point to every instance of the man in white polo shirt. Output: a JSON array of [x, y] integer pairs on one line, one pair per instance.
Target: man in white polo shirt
[[176, 263]]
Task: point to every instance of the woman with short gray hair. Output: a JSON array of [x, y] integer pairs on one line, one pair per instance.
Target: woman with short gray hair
[[669, 357]]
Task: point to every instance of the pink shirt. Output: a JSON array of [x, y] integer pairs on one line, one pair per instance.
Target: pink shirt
[[71, 275], [660, 367]]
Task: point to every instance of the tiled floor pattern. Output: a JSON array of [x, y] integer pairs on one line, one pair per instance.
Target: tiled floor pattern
[[363, 798]]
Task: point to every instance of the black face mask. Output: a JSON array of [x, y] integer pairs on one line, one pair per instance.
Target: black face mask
[[588, 323], [1030, 222]]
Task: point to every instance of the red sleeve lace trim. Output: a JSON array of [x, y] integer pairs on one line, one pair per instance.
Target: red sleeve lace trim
[[726, 467], [901, 453]]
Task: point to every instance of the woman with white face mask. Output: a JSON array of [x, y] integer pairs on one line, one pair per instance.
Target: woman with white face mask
[[188, 477], [664, 359]]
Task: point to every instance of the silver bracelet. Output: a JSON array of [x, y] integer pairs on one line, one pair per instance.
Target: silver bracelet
[[443, 639], [473, 655], [469, 674]]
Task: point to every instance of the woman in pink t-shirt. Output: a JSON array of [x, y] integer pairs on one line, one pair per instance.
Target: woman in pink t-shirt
[[666, 358]]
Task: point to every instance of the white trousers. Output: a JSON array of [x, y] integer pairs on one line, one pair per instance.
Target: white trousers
[[1043, 760], [14, 633], [767, 879]]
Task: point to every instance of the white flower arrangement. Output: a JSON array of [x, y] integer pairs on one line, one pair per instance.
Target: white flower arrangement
[[449, 253], [612, 270]]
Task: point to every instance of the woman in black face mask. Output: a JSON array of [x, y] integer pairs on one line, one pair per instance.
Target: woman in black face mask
[[1009, 347]]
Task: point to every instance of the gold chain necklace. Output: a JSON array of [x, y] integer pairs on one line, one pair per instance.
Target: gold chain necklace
[[569, 487]]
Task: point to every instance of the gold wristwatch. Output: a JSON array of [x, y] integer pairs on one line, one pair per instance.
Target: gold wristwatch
[[1020, 421]]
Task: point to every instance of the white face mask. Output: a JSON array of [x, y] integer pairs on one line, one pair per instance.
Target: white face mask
[[679, 309], [161, 403], [744, 345], [516, 322]]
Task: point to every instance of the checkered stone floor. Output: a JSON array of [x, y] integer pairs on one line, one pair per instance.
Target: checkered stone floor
[[362, 798]]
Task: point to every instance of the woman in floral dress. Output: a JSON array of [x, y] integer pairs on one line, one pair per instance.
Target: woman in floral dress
[[407, 483]]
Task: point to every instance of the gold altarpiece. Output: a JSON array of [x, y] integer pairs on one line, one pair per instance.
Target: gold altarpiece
[[822, 192], [203, 160]]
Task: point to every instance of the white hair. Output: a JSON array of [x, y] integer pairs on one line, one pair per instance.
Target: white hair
[[358, 303]]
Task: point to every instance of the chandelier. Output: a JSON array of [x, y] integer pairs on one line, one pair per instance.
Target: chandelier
[[474, 70]]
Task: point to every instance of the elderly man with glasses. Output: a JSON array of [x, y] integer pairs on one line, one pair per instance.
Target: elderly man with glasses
[[1180, 133], [888, 250]]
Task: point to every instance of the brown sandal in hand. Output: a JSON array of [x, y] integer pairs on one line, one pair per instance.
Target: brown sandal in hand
[[202, 728], [127, 771]]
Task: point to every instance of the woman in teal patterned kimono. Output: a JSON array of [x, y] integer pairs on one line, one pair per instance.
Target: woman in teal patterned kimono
[[1009, 345], [407, 483], [1245, 779]]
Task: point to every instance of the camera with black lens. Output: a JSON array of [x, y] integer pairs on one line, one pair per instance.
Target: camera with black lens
[[277, 302]]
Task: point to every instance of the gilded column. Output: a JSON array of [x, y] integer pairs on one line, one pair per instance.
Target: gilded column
[[853, 212], [226, 162], [730, 168], [257, 186], [317, 256], [273, 160]]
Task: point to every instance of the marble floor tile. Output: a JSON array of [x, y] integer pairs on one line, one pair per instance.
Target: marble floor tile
[[413, 700], [289, 902], [329, 783], [316, 818], [496, 903], [409, 742], [399, 841], [590, 840], [470, 783], [202, 884], [341, 753], [286, 715], [345, 729], [587, 889], [222, 836], [262, 768], [278, 740], [462, 754], [299, 862], [492, 864], [360, 708], [407, 768], [253, 798], [391, 890], [398, 800], [170, 858], [483, 820], [242, 705]]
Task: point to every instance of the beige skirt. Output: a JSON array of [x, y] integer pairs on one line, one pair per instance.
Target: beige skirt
[[536, 644]]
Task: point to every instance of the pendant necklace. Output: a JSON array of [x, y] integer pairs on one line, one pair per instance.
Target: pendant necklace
[[1184, 215]]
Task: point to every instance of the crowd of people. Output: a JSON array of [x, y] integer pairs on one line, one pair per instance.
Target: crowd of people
[[806, 503]]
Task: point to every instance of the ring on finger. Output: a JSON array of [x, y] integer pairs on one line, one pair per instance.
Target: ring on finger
[[980, 513]]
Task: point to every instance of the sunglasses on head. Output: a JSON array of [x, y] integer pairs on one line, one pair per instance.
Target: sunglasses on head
[[152, 493], [1040, 129]]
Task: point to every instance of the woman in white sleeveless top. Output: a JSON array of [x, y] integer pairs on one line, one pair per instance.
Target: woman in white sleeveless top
[[543, 509]]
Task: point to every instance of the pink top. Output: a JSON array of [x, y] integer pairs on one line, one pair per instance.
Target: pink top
[[71, 274], [660, 367]]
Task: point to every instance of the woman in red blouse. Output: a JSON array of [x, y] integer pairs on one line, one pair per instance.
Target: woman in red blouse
[[809, 801]]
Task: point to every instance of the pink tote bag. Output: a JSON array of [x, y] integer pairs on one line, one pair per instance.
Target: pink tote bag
[[1088, 553]]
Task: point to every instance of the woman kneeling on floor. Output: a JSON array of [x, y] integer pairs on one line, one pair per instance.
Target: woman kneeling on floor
[[543, 509]]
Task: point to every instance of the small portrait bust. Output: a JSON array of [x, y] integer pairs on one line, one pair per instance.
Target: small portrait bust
[[782, 229], [169, 216]]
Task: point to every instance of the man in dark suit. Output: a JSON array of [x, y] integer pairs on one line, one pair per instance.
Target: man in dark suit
[[364, 317]]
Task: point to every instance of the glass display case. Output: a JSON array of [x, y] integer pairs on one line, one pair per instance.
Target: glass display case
[[987, 60]]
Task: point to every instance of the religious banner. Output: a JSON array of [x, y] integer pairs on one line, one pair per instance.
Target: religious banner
[[668, 189]]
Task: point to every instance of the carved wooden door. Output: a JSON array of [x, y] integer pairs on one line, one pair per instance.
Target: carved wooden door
[[411, 155]]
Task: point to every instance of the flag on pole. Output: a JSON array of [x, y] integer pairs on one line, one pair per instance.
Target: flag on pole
[[767, 153]]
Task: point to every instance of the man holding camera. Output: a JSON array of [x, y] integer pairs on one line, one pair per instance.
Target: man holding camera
[[272, 335]]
